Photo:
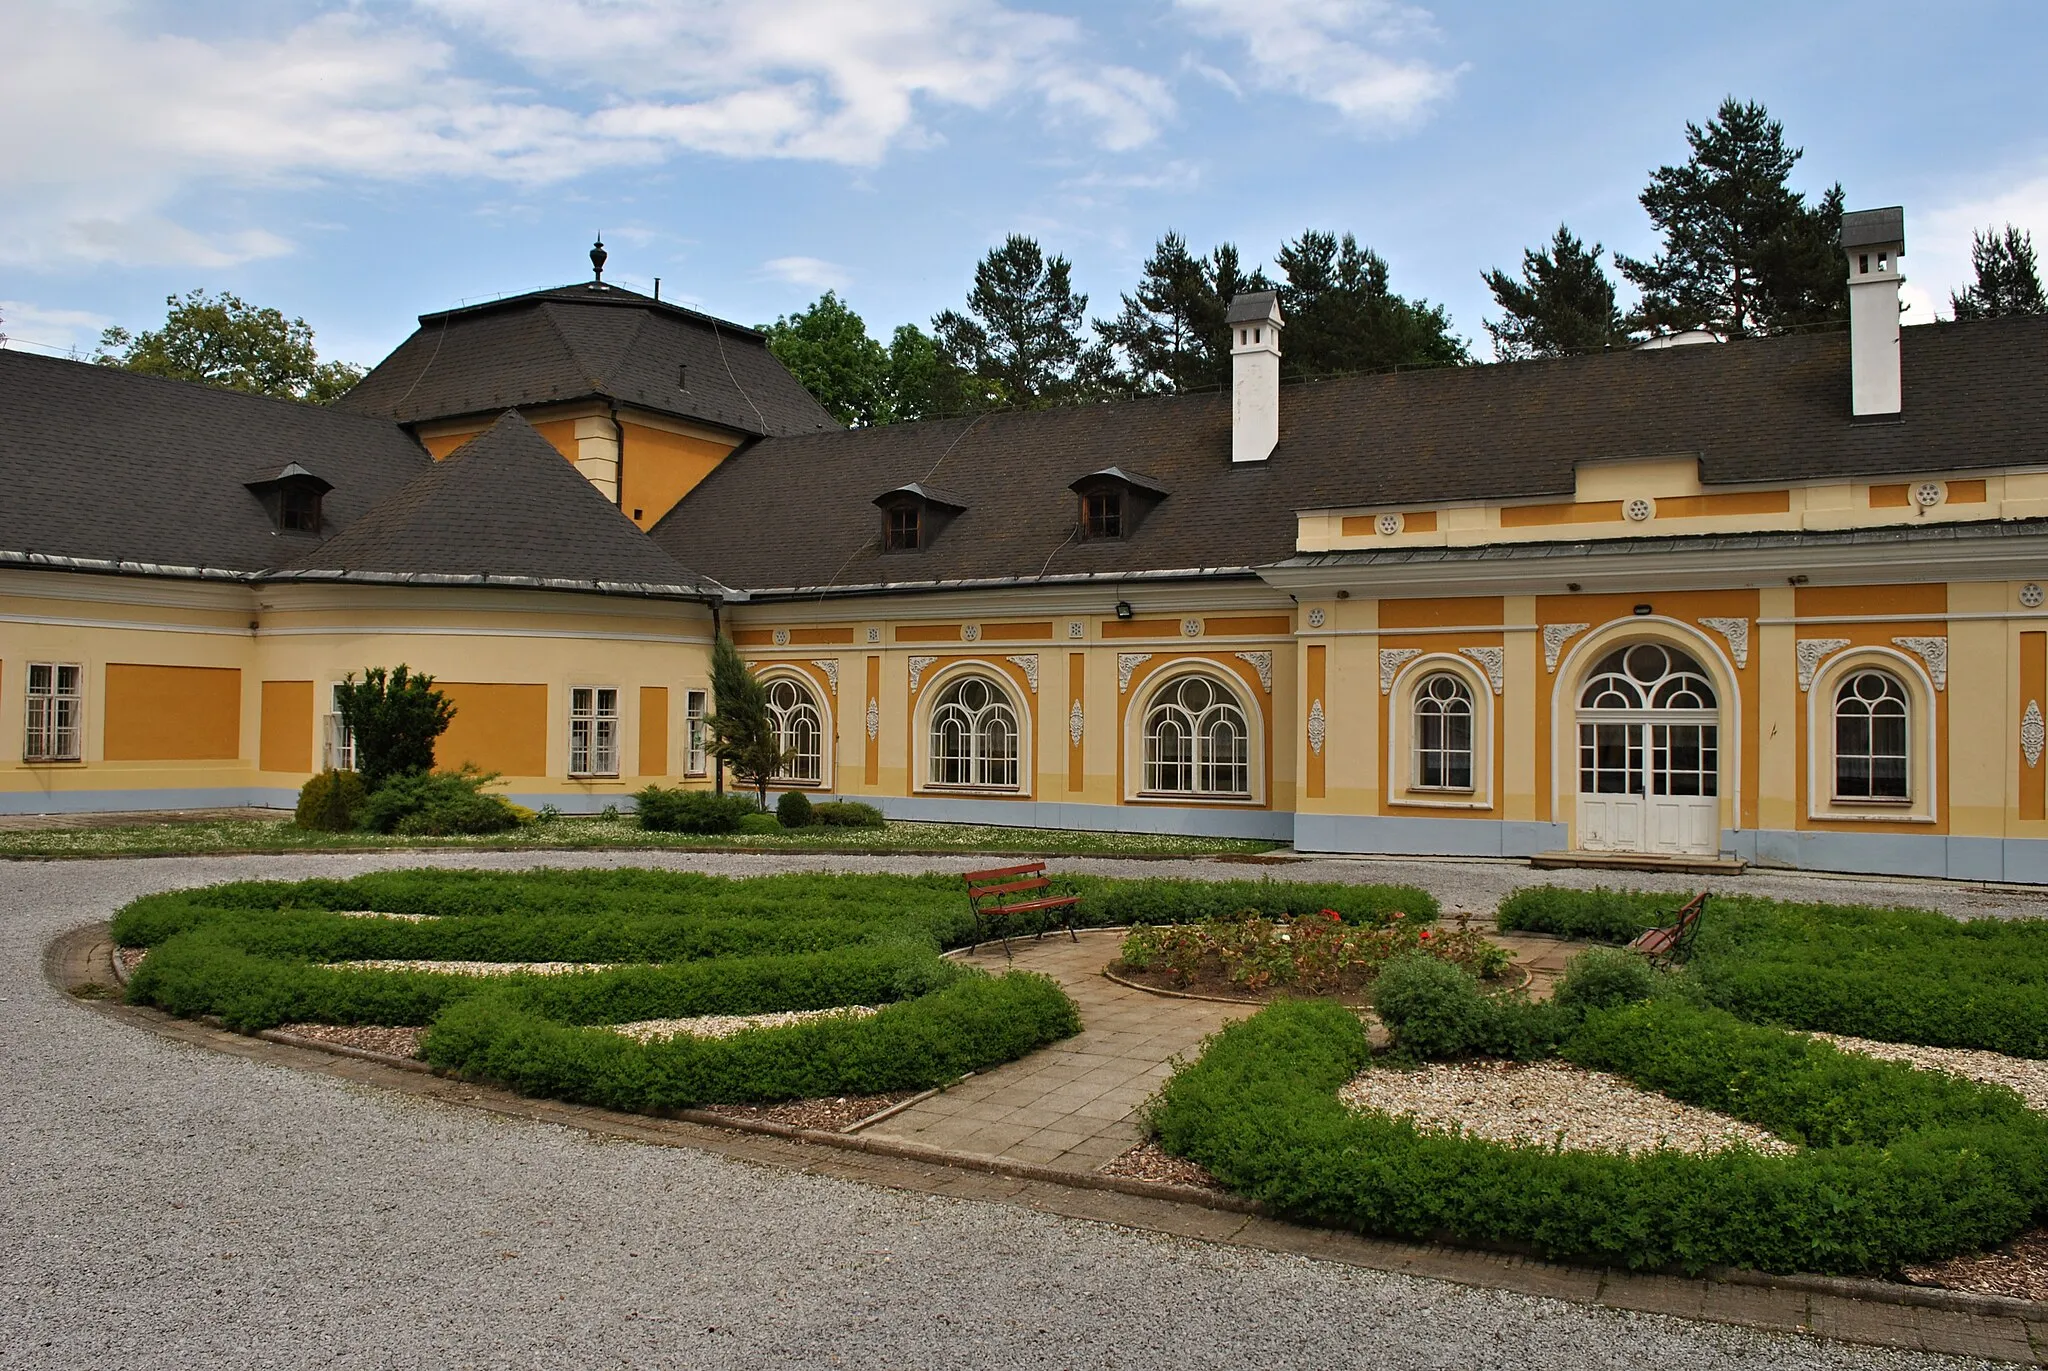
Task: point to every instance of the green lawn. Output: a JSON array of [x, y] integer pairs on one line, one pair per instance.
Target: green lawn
[[281, 835]]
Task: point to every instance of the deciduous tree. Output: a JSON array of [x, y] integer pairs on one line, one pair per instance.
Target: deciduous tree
[[222, 340], [827, 348]]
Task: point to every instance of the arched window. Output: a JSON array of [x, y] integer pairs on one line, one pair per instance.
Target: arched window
[[1196, 741], [1443, 733], [799, 731], [974, 735], [1870, 737]]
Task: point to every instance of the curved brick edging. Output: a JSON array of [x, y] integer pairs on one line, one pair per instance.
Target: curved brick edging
[[1844, 1308], [1528, 979]]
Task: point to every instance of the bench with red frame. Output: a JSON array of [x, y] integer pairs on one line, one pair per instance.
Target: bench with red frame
[[1672, 942], [989, 892]]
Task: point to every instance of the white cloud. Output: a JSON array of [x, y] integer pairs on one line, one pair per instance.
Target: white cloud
[[28, 325], [1340, 53], [814, 272], [131, 124], [1938, 241]]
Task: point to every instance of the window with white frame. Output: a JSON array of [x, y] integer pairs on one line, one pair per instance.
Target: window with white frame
[[56, 712], [594, 731], [1197, 741], [799, 731], [974, 736], [1443, 733], [341, 740], [693, 714], [1871, 712]]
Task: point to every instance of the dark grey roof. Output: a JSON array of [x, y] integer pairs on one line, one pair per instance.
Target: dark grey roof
[[919, 491], [1252, 307], [504, 509], [100, 465], [1865, 226], [584, 341], [1132, 479], [1752, 411]]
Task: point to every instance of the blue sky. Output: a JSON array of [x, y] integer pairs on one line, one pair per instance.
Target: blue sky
[[359, 164]]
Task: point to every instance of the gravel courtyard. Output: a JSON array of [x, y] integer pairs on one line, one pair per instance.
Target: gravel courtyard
[[166, 1206]]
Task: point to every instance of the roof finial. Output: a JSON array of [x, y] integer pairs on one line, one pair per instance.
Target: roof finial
[[597, 256]]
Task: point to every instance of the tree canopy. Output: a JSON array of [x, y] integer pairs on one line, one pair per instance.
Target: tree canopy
[[1563, 303], [222, 340], [2008, 280], [1743, 252], [1170, 335], [1343, 316], [1020, 334]]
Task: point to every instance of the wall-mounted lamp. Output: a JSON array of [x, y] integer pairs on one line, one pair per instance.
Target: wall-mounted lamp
[[1123, 609], [1798, 580], [1571, 586]]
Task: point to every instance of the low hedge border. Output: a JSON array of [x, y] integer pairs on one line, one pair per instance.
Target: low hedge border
[[1905, 1167]]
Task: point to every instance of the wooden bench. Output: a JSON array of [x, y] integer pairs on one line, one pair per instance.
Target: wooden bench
[[1673, 941], [989, 892]]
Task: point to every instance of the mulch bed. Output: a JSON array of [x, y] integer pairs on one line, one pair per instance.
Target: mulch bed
[[392, 1042], [2019, 1269], [1150, 1162], [1218, 986], [131, 957], [825, 1115]]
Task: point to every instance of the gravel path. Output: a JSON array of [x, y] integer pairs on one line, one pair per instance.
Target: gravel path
[[726, 1025], [168, 1207]]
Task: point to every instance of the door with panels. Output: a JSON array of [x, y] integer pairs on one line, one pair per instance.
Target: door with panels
[[1649, 754]]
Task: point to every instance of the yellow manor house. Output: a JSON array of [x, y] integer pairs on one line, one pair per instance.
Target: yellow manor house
[[1777, 599]]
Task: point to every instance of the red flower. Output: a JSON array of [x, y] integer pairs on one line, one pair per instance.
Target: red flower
[[1423, 934], [1335, 917]]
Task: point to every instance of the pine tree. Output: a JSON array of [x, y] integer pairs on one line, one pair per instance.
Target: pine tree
[[922, 384], [1170, 336], [1743, 252], [1563, 304], [742, 732], [1021, 332], [828, 350], [2008, 281], [1342, 315]]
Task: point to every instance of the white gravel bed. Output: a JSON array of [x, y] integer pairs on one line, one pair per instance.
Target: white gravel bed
[[458, 968], [384, 914], [2023, 1075], [725, 1025], [1553, 1104]]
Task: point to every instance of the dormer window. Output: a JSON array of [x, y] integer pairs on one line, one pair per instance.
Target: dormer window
[[292, 496], [298, 509], [903, 528], [1102, 514]]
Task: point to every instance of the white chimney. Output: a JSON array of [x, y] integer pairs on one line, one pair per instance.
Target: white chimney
[[1254, 320], [1875, 240]]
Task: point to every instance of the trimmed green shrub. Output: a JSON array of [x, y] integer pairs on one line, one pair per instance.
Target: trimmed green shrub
[[1599, 914], [847, 814], [436, 803], [760, 823], [1433, 1009], [691, 811], [1603, 977], [1108, 902], [1902, 1166], [794, 809], [331, 802]]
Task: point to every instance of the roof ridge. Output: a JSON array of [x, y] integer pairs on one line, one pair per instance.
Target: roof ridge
[[596, 383], [202, 387]]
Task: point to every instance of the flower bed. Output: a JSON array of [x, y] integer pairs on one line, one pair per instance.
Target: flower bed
[[1251, 956]]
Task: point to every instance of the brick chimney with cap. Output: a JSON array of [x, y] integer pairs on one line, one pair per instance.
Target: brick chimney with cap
[[1255, 323], [1875, 240]]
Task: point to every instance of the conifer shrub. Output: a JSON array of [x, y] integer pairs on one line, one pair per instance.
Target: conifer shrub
[[331, 802], [794, 809], [435, 804], [847, 814], [690, 811], [1599, 915]]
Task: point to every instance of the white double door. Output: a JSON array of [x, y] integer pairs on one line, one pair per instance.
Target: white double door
[[1649, 781]]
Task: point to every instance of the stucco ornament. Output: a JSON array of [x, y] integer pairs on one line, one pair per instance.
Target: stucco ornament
[[970, 633], [1315, 618], [1934, 652], [1736, 631], [1191, 628], [2031, 595], [1261, 662], [1075, 629], [1494, 659], [874, 718], [1076, 723], [1809, 651], [1389, 525], [1029, 663], [782, 637], [830, 666], [874, 635], [918, 667], [2033, 733], [1392, 659], [1126, 663], [1555, 636], [1315, 728]]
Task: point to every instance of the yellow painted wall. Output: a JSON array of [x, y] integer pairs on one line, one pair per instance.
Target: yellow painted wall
[[172, 713], [657, 468], [287, 726], [654, 731], [501, 728], [560, 432]]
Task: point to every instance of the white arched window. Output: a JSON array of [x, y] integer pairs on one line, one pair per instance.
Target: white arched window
[[1870, 737], [974, 735], [1443, 733], [799, 731], [1197, 741]]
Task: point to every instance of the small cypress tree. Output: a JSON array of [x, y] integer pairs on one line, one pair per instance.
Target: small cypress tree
[[394, 719], [742, 733]]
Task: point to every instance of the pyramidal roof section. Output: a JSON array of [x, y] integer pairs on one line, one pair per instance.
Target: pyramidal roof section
[[505, 509], [589, 341]]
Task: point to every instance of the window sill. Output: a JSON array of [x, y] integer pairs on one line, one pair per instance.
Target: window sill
[[1191, 797], [53, 761], [1426, 802], [1872, 801], [1860, 816], [791, 783], [1005, 792]]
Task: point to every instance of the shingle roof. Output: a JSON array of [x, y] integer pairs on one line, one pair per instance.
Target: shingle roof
[[1752, 411], [503, 509], [102, 465], [582, 341]]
